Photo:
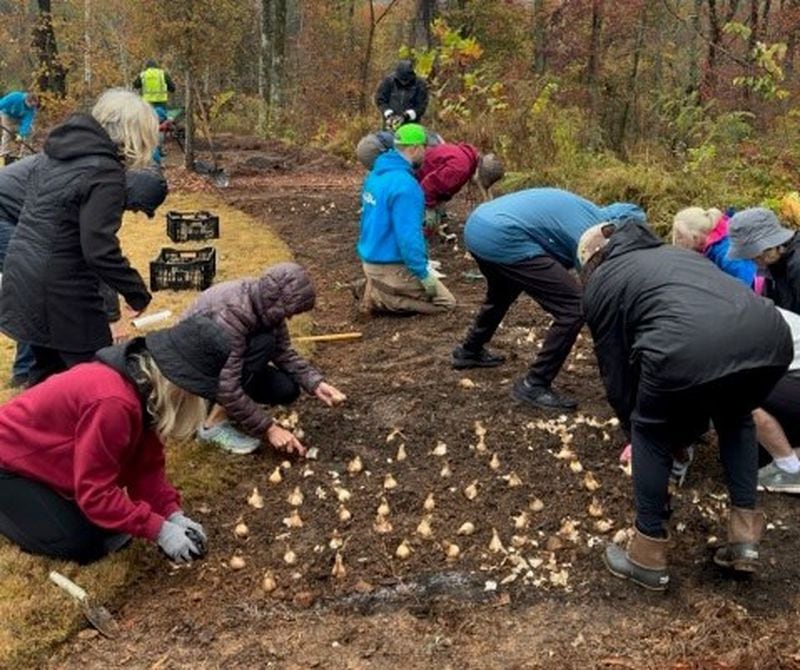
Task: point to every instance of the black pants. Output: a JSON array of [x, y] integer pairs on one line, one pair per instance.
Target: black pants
[[665, 422], [261, 380], [49, 362], [552, 287], [42, 522]]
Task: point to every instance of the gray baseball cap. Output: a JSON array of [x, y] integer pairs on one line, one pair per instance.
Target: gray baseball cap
[[753, 231]]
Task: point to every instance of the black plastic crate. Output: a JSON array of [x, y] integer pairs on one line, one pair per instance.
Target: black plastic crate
[[183, 269], [194, 226]]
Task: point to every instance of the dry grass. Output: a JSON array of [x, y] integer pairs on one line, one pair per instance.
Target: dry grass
[[34, 614]]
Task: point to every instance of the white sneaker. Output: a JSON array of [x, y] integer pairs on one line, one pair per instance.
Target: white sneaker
[[228, 438]]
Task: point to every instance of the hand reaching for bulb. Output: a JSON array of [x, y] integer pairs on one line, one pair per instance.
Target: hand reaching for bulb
[[329, 394], [284, 440]]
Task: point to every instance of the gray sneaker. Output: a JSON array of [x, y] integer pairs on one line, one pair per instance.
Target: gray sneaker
[[228, 438], [771, 478]]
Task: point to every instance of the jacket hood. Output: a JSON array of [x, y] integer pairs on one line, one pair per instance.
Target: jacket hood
[[619, 211], [404, 73], [282, 291], [120, 358], [80, 135], [631, 235], [391, 161]]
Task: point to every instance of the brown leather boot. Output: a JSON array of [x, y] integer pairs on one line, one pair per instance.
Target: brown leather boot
[[644, 563], [745, 527]]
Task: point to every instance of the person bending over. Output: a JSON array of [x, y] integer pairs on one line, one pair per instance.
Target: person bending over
[[526, 242], [679, 344], [757, 235]]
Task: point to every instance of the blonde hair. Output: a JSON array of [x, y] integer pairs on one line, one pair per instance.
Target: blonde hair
[[696, 221], [130, 122], [177, 413]]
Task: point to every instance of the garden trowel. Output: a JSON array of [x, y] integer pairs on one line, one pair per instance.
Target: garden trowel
[[97, 615]]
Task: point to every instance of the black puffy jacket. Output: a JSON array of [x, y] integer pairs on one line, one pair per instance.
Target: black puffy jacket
[[783, 278], [403, 90], [65, 239], [666, 319]]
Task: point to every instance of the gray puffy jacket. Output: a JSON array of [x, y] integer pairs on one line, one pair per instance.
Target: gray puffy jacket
[[246, 307]]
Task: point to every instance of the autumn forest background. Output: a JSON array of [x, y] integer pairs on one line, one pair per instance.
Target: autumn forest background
[[665, 102]]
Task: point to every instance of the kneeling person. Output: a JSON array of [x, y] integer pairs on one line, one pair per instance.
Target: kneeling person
[[82, 453], [391, 244], [263, 369]]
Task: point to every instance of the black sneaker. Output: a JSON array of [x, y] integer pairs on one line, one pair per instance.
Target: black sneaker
[[461, 358], [537, 395]]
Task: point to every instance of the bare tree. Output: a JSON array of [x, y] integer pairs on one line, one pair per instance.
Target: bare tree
[[51, 75], [374, 21]]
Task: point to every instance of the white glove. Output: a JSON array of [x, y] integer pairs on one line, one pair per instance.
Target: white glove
[[388, 113], [411, 114]]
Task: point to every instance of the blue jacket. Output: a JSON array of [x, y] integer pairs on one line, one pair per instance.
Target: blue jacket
[[744, 270], [13, 105], [393, 209], [537, 222]]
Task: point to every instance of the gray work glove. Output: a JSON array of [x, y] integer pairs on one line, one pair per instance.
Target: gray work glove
[[185, 522], [430, 285], [175, 543]]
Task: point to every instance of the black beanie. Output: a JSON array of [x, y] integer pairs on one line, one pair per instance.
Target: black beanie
[[191, 354]]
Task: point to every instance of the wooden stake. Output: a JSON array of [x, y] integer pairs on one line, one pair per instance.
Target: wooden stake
[[331, 337]]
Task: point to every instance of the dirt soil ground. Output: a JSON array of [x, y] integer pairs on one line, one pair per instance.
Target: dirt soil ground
[[527, 588]]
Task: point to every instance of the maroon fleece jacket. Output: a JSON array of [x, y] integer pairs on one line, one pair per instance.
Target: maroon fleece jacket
[[81, 433], [445, 170]]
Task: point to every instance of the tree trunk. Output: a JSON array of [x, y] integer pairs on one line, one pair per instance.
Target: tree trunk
[[694, 49], [367, 60], [51, 74], [278, 53], [631, 87], [188, 153], [265, 64], [420, 34], [593, 66], [716, 25], [539, 38], [351, 25]]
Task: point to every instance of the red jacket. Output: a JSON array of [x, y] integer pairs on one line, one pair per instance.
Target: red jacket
[[81, 433], [445, 170]]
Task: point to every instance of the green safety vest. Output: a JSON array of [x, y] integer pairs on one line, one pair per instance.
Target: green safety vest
[[154, 85]]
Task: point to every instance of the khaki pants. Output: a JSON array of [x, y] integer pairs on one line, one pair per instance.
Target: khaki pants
[[392, 288], [6, 136]]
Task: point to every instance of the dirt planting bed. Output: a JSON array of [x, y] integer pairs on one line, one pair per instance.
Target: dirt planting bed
[[420, 443]]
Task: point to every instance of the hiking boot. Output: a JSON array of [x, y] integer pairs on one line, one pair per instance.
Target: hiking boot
[[745, 527], [771, 478], [462, 358], [541, 396], [644, 563], [228, 438]]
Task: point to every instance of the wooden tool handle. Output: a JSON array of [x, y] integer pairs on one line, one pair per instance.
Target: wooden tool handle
[[332, 337], [68, 585]]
